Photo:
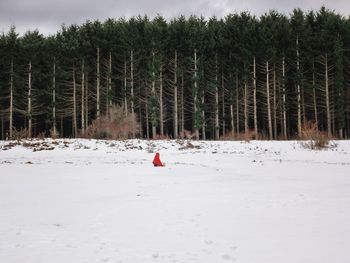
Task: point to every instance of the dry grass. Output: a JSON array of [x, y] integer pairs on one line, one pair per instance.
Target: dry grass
[[242, 136]]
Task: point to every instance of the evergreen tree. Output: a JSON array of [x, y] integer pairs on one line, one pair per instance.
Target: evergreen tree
[[271, 73]]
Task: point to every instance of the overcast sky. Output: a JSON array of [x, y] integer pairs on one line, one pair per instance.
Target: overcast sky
[[48, 15]]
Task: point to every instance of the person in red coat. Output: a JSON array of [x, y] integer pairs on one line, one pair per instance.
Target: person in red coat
[[157, 162]]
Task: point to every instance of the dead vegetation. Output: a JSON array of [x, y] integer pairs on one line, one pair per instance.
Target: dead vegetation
[[241, 136], [115, 125], [151, 147], [38, 146], [35, 145], [9, 146], [18, 135], [54, 134], [185, 134], [188, 145], [315, 139]]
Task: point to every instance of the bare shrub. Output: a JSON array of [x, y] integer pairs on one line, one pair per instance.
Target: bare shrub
[[185, 134], [316, 139], [54, 134], [247, 136], [41, 136], [18, 135], [116, 125], [309, 130]]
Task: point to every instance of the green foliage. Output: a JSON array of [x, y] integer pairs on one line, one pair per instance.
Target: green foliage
[[225, 47]]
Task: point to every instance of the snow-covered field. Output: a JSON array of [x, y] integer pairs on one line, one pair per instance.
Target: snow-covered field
[[71, 201]]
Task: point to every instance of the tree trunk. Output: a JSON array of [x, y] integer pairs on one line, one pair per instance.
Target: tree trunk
[[314, 94], [268, 101], [284, 100], [75, 128], [62, 132], [274, 103], [132, 92], [203, 119], [347, 130], [217, 125], [161, 111], [246, 115], [223, 104], [11, 101], [147, 116], [29, 112], [153, 95], [280, 106], [182, 105], [329, 126], [87, 100], [232, 120], [255, 103], [195, 97], [303, 110], [125, 89], [54, 98], [109, 91], [98, 83], [176, 126], [2, 128], [140, 116], [237, 103], [298, 89], [82, 97]]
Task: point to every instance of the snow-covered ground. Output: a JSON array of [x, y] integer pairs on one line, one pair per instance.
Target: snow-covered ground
[[88, 201]]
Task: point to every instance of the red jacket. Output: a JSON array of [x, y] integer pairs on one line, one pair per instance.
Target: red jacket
[[156, 160]]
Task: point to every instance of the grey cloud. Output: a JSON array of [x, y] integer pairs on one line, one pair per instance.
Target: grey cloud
[[48, 15]]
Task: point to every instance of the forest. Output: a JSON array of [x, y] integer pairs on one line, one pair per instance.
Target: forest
[[209, 79]]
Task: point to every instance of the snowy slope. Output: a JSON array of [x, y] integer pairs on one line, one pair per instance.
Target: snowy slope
[[103, 201]]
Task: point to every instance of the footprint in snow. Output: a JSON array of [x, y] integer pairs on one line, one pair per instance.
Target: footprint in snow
[[228, 257], [155, 255], [234, 248], [206, 251], [208, 242]]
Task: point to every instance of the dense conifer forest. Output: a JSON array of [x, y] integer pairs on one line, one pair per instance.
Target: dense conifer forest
[[267, 76]]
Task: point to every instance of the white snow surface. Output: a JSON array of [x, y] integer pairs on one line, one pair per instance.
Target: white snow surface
[[103, 201]]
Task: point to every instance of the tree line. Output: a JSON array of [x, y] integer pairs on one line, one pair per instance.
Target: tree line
[[213, 78]]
